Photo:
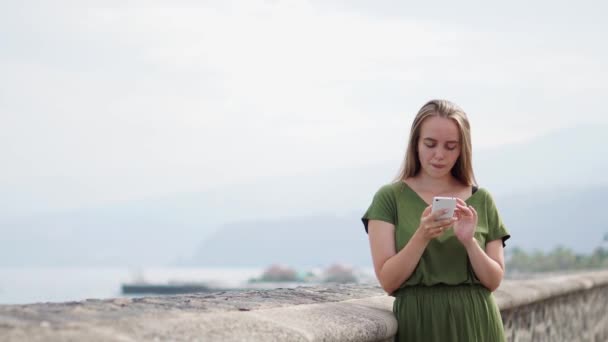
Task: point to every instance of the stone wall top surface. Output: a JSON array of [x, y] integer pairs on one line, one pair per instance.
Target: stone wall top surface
[[337, 312], [515, 293]]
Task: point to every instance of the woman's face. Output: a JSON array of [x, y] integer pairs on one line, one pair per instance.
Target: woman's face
[[438, 146]]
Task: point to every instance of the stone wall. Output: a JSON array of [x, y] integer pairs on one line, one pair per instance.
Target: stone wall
[[566, 308], [560, 308]]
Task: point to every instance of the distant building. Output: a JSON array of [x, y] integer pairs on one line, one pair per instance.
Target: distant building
[[339, 273], [278, 272]]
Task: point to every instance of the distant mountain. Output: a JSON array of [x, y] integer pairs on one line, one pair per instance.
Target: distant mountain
[[158, 231], [118, 236], [536, 220], [542, 220], [573, 157], [305, 241]]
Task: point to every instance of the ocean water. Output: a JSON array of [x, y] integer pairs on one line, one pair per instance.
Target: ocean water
[[39, 285], [35, 285]]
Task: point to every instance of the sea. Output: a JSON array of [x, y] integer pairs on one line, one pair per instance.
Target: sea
[[42, 285]]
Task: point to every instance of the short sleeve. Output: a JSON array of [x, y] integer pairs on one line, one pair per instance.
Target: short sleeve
[[496, 229], [383, 207]]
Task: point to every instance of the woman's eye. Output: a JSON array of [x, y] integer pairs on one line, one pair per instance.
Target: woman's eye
[[451, 147], [430, 145]]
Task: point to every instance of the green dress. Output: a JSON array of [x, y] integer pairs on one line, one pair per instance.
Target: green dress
[[442, 300]]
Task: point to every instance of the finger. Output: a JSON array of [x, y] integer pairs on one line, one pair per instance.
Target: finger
[[460, 201], [435, 233], [464, 209], [439, 231], [458, 213], [433, 230], [438, 213], [427, 210], [461, 206], [473, 210], [442, 223], [431, 227], [442, 229], [434, 236]]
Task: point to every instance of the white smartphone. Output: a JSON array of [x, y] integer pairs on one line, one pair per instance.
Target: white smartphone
[[448, 203]]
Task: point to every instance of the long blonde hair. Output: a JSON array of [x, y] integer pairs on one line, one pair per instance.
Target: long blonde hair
[[463, 168]]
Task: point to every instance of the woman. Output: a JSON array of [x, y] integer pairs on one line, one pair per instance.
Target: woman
[[441, 272]]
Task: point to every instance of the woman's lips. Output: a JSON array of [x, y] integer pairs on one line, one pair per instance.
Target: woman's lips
[[438, 166]]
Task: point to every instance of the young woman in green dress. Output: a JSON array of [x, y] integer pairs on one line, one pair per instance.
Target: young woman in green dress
[[441, 272]]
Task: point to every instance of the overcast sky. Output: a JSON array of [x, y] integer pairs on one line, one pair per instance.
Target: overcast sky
[[115, 100]]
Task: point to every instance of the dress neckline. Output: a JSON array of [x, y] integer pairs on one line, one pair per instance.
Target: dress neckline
[[407, 186]]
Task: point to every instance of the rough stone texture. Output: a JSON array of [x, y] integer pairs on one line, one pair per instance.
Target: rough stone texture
[[560, 308], [340, 312], [580, 316]]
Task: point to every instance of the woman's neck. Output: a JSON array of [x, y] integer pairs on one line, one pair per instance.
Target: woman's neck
[[435, 184]]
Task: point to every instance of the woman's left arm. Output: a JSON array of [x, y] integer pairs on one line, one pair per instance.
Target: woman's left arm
[[488, 264]]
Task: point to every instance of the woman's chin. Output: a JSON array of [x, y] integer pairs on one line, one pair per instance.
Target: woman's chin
[[437, 174]]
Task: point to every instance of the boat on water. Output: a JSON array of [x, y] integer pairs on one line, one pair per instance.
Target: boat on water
[[141, 286], [167, 289], [275, 276]]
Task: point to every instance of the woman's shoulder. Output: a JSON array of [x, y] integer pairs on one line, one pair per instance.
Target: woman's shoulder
[[389, 191], [391, 188], [483, 193]]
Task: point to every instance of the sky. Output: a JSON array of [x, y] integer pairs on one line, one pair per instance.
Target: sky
[[106, 101]]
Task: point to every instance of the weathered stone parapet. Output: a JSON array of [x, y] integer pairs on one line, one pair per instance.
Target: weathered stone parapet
[[341, 312], [551, 309], [560, 308]]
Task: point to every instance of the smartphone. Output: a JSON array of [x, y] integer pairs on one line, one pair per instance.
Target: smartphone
[[448, 203]]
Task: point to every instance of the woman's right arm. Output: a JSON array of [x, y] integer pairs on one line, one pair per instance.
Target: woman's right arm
[[394, 268]]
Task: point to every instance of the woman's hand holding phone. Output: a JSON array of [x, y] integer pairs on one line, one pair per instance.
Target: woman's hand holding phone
[[433, 223], [431, 226]]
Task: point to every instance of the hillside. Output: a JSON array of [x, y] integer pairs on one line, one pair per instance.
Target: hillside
[[159, 231], [536, 220]]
